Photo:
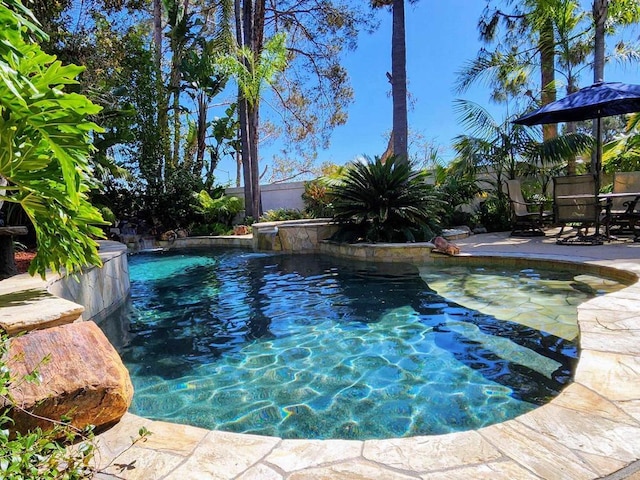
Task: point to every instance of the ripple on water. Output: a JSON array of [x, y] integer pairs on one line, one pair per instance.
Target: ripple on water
[[299, 348]]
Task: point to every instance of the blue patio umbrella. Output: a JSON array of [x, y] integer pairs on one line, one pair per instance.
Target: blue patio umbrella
[[602, 99], [599, 100]]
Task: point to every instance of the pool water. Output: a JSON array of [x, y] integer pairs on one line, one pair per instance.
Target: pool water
[[311, 347]]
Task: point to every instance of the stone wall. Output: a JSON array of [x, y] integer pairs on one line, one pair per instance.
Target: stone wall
[[229, 241], [292, 236], [30, 303], [98, 290], [381, 252]]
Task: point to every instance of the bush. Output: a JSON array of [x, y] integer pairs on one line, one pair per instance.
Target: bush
[[494, 214], [282, 214], [376, 201], [214, 229], [174, 207], [459, 189], [220, 210], [317, 199]]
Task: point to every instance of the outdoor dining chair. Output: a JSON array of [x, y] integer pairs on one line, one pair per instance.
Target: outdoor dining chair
[[622, 211], [527, 218], [575, 201]]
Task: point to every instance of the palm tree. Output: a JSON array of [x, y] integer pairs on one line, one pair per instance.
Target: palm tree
[[251, 72], [398, 77], [600, 13], [203, 80], [504, 151]]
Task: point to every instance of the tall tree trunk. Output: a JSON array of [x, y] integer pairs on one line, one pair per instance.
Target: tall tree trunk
[[571, 127], [243, 119], [253, 118], [250, 31], [600, 12], [201, 134], [399, 82], [177, 53], [547, 60], [257, 43], [175, 86], [157, 32], [163, 101]]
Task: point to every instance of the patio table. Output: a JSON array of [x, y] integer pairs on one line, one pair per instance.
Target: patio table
[[631, 214]]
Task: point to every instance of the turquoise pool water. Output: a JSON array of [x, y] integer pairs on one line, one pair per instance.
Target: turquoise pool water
[[309, 347]]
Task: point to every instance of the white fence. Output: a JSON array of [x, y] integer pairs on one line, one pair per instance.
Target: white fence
[[275, 196]]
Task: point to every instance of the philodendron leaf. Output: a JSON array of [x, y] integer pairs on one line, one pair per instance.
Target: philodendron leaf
[[45, 144]]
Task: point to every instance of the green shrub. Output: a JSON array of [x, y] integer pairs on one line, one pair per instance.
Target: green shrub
[[221, 209], [213, 228], [376, 201], [459, 189], [317, 199], [282, 214], [494, 214]]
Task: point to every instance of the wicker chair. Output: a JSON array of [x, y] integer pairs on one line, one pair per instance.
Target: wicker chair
[[527, 218], [575, 200]]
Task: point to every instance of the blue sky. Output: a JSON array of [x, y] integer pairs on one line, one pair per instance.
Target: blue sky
[[441, 37]]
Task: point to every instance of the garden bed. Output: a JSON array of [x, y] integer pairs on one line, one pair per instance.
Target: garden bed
[[23, 260]]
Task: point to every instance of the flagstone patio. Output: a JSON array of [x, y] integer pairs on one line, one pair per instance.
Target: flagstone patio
[[591, 430]]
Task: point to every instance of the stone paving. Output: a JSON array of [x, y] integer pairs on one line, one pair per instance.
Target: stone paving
[[591, 430]]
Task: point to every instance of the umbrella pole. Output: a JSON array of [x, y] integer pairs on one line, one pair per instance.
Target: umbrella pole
[[596, 172]]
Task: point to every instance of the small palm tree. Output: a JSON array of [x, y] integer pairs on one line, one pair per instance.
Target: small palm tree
[[376, 201]]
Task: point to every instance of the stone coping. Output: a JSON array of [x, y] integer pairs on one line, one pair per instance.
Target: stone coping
[[290, 223], [30, 303], [591, 430], [228, 241]]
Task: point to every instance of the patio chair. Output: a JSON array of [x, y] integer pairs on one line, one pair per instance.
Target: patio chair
[[527, 218], [575, 201], [622, 212]]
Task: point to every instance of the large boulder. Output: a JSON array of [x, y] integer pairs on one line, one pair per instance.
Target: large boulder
[[82, 377]]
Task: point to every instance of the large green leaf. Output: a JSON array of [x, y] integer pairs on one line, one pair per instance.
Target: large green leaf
[[384, 201], [45, 144]]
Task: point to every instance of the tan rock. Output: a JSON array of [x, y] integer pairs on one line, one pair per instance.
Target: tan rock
[[82, 376], [33, 309]]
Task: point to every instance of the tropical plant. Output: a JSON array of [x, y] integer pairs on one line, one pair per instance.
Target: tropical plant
[[376, 201], [282, 214], [622, 154], [251, 72], [317, 199], [221, 209], [459, 188], [502, 151], [45, 145]]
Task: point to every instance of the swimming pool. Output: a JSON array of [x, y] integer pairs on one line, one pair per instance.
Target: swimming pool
[[309, 347]]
